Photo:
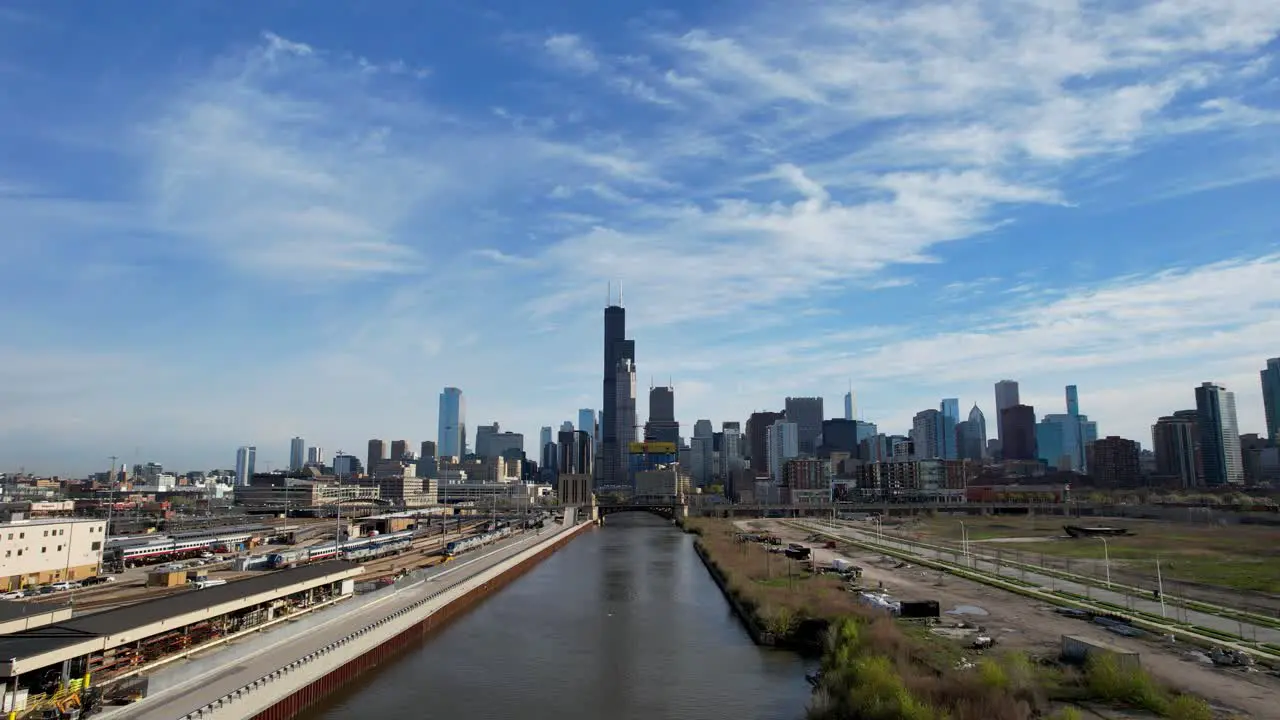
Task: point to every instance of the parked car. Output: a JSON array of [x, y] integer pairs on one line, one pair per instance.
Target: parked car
[[14, 595], [65, 586]]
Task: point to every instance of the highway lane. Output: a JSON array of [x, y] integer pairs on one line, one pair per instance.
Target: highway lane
[[990, 565], [195, 683]]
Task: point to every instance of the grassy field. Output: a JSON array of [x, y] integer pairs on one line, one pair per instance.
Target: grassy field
[[1242, 557]]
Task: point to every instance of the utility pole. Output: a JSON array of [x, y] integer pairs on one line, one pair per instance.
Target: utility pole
[[111, 494]]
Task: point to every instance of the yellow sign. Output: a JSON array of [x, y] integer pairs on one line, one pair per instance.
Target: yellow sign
[[653, 448]]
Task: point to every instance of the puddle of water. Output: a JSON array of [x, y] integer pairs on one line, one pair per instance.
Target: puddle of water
[[967, 610]]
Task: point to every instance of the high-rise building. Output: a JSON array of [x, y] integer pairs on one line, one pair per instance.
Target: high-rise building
[[377, 453], [1006, 397], [1175, 440], [848, 405], [617, 348], [587, 421], [451, 440], [1271, 399], [1050, 443], [399, 449], [806, 413], [246, 458], [1018, 432], [757, 439], [567, 451], [297, 454], [1219, 435], [702, 453], [624, 418], [969, 440], [1114, 462], [484, 438], [925, 428], [783, 439], [315, 455], [979, 428], [948, 418], [585, 459], [842, 435], [427, 459], [662, 425], [346, 466]]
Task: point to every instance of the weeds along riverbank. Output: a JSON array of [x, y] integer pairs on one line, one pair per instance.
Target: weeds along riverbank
[[875, 667]]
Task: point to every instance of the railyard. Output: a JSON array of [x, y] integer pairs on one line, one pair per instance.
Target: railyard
[[69, 650]]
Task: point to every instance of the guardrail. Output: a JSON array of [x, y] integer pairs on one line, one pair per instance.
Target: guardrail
[[281, 672]]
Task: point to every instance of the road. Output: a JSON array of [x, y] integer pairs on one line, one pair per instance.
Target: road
[[989, 565], [192, 684]]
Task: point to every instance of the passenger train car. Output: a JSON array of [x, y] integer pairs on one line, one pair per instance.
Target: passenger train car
[[458, 547], [130, 552], [354, 549]]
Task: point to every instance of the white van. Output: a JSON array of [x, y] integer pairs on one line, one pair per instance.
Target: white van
[[203, 583]]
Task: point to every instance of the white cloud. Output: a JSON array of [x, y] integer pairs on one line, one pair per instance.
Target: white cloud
[[766, 191]]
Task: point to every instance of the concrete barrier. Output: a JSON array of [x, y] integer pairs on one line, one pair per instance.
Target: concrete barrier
[[288, 690]]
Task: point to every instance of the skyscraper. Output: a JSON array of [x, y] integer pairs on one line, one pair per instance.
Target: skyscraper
[[757, 442], [1271, 398], [1019, 432], [297, 454], [702, 453], [948, 418], [1219, 435], [246, 458], [587, 422], [925, 428], [624, 418], [806, 413], [484, 440], [544, 436], [662, 425], [848, 405], [979, 429], [399, 449], [1006, 397], [451, 438], [315, 455], [617, 348], [783, 441], [377, 453], [1175, 440]]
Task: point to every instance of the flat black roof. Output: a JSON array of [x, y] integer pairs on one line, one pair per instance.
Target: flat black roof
[[16, 609], [119, 620]]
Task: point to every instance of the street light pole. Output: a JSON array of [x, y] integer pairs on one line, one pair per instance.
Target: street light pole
[[1160, 586], [337, 515], [1106, 555], [964, 541]]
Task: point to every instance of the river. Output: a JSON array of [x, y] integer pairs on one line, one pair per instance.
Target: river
[[623, 622]]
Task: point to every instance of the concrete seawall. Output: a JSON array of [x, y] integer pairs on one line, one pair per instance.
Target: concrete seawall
[[398, 633], [281, 678]]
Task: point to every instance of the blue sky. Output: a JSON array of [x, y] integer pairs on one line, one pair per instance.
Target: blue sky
[[230, 223]]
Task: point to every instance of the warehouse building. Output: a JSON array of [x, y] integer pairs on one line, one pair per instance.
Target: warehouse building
[[40, 664], [37, 552]]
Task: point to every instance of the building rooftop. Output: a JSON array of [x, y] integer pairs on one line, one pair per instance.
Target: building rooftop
[[124, 620], [28, 522]]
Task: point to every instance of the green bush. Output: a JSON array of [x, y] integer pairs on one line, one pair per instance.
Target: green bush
[[1188, 707], [1125, 683]]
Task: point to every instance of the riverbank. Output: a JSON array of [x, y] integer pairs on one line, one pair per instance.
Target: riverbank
[[876, 667]]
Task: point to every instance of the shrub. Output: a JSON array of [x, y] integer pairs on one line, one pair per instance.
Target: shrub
[[1124, 683]]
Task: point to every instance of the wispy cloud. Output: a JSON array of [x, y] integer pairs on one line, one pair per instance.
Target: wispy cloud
[[804, 194]]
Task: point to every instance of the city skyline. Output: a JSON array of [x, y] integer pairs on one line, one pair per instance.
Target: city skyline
[[1099, 219]]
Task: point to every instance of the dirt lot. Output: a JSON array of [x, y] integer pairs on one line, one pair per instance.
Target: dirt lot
[[1022, 623]]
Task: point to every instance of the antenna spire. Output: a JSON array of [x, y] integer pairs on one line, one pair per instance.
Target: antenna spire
[[619, 293], [608, 293]]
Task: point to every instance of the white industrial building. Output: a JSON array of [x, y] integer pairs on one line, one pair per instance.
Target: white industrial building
[[36, 552]]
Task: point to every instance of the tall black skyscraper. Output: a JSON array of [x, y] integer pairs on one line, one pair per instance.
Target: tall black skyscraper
[[662, 425], [616, 347]]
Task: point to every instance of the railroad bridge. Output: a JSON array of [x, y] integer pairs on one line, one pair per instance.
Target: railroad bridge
[[669, 508]]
